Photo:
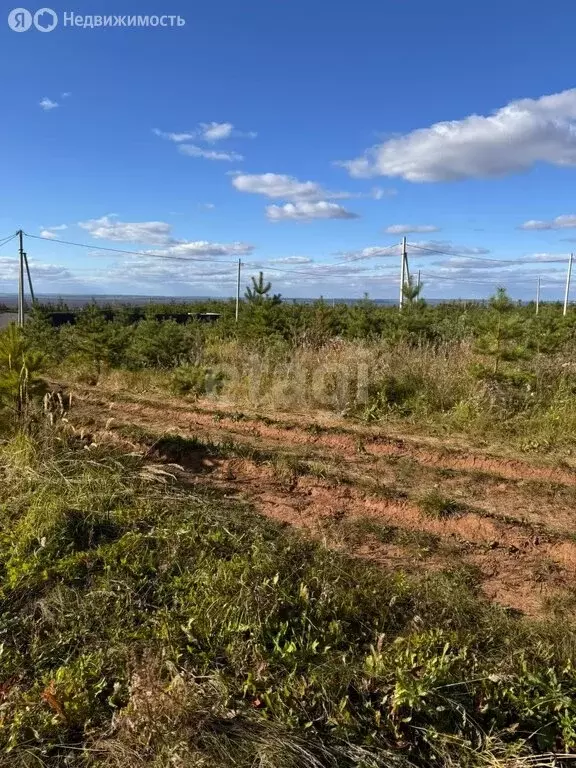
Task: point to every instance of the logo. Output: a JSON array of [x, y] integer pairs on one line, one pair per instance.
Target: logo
[[45, 20], [20, 20]]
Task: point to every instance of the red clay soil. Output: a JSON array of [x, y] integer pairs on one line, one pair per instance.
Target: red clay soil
[[523, 560]]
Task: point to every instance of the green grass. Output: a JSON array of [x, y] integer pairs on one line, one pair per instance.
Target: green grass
[[145, 625], [357, 530], [435, 505]]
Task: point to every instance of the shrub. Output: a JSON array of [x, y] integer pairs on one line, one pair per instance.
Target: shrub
[[196, 381]]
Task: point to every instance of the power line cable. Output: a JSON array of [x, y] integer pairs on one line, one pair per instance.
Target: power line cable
[[131, 253], [198, 260], [457, 279], [483, 258], [8, 239]]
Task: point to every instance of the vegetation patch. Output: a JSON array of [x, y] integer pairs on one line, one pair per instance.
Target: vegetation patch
[[139, 619], [435, 505]]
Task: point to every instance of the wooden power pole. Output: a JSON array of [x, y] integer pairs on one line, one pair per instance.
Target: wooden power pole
[[21, 278]]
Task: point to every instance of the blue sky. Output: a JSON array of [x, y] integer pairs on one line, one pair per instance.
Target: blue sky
[[305, 137]]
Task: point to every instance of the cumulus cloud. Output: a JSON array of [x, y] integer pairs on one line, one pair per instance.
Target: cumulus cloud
[[291, 260], [567, 221], [308, 211], [152, 272], [424, 247], [209, 154], [160, 233], [371, 252], [279, 185], [50, 233], [203, 249], [110, 228], [216, 131], [405, 229], [457, 263], [47, 104], [510, 140], [41, 271]]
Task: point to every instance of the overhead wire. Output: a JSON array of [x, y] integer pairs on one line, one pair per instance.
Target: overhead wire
[[8, 239], [483, 258], [198, 260], [316, 271], [145, 254], [130, 253]]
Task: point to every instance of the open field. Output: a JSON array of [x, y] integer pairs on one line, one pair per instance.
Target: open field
[[348, 545]]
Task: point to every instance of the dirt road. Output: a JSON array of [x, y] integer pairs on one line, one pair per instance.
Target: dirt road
[[409, 503]]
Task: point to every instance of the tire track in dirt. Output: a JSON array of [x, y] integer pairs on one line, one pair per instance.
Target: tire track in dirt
[[345, 443], [525, 499], [516, 568], [509, 563]]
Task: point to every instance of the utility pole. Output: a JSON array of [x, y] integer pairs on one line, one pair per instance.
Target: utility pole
[[238, 289], [419, 282], [568, 276], [538, 296], [29, 278], [402, 272], [21, 279]]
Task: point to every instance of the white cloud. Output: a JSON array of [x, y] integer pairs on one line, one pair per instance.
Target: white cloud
[[66, 95], [39, 270], [49, 233], [153, 273], [371, 252], [208, 132], [465, 262], [291, 260], [47, 104], [405, 229], [307, 211], [176, 137], [424, 248], [202, 249], [279, 185], [209, 154], [377, 193], [213, 131], [222, 277], [510, 140], [207, 206], [109, 228], [160, 233], [216, 131], [568, 221], [431, 247]]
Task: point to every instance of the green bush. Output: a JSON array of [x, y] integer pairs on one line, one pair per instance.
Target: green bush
[[196, 381]]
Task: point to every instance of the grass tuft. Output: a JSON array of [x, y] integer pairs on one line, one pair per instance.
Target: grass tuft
[[435, 505]]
